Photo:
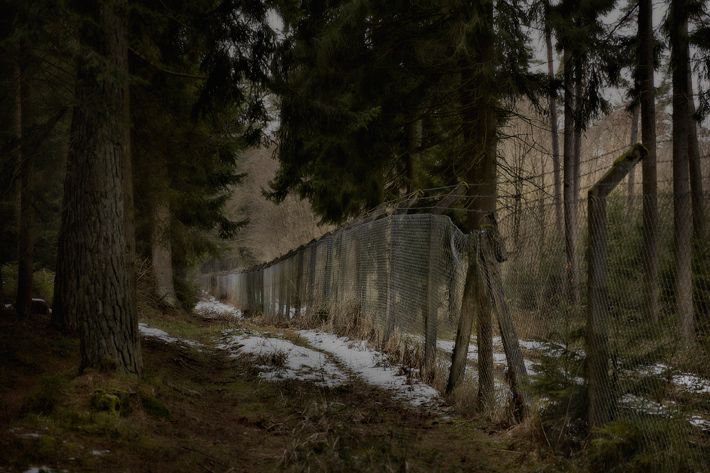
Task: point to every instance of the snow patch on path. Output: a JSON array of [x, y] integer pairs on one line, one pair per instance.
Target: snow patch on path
[[152, 332], [299, 363], [371, 366], [210, 308]]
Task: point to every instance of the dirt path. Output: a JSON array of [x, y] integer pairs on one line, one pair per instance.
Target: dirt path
[[197, 409]]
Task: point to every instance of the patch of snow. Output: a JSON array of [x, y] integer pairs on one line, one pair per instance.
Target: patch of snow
[[100, 453], [499, 358], [211, 308], [644, 405], [300, 363], [687, 381], [371, 366], [700, 423], [39, 469], [692, 383], [152, 332], [532, 345]]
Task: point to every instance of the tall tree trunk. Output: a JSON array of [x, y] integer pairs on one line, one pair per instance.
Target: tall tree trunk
[[579, 126], [631, 180], [94, 226], [162, 256], [128, 203], [648, 165], [570, 200], [552, 102], [25, 240], [480, 121], [682, 211], [696, 172], [66, 279]]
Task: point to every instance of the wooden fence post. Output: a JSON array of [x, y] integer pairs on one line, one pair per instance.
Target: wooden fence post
[[599, 389], [468, 312], [492, 255]]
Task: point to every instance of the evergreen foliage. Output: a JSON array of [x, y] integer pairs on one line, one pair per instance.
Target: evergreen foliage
[[197, 103], [356, 77]]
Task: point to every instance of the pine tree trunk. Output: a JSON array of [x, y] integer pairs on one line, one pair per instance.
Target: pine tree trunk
[[631, 180], [480, 122], [552, 101], [696, 173], [128, 203], [570, 201], [25, 240], [682, 211], [161, 254], [578, 128], [648, 165], [93, 235], [64, 315]]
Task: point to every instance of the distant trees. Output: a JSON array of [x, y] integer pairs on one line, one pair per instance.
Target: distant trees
[[32, 140], [552, 105], [201, 73]]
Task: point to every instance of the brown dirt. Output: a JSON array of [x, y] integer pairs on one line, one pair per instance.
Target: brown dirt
[[201, 411]]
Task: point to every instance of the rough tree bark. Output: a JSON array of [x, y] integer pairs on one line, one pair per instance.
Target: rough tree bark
[[552, 103], [631, 180], [25, 240], [162, 254], [570, 201], [696, 173], [93, 238], [682, 210], [647, 94]]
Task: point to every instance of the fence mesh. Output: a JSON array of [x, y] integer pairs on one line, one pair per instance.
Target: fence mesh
[[406, 274]]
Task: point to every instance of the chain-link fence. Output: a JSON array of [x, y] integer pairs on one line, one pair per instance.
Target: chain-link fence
[[405, 275]]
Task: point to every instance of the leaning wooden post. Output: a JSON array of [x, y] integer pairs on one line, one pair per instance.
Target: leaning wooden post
[[492, 254], [471, 295], [599, 389]]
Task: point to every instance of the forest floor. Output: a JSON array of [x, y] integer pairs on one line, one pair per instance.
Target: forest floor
[[199, 407]]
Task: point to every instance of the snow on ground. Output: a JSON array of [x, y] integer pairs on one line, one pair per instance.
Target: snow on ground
[[644, 405], [689, 382], [39, 469], [499, 358], [152, 332], [699, 422], [370, 365], [685, 381], [211, 308], [291, 361]]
